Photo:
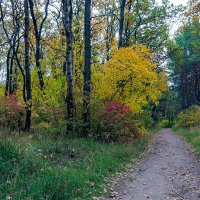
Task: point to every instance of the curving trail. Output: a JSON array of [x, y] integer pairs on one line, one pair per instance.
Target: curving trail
[[170, 172]]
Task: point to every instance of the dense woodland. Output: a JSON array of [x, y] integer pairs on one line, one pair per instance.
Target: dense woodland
[[88, 67], [83, 82]]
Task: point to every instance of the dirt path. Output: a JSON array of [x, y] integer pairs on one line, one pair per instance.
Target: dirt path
[[170, 171]]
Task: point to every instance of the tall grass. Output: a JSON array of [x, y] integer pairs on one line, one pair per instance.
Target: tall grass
[[191, 135], [40, 167]]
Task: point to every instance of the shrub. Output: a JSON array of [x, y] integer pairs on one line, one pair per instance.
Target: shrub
[[48, 119], [165, 123], [11, 113], [189, 117], [145, 119], [117, 124]]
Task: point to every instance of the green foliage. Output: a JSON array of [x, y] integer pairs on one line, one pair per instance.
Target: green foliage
[[188, 117], [184, 62], [165, 123], [167, 109], [145, 119]]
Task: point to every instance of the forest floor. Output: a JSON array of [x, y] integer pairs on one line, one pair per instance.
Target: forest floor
[[171, 171], [39, 166]]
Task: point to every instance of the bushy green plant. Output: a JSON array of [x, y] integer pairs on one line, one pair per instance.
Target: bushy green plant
[[145, 119], [165, 123], [189, 117]]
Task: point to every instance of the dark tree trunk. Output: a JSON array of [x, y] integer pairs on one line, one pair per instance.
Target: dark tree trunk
[[27, 67], [87, 69], [107, 41], [107, 36], [121, 23], [11, 77], [7, 72], [185, 90], [38, 32], [127, 28], [197, 83], [37, 61], [67, 18]]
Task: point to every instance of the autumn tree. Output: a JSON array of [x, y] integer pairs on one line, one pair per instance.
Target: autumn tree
[[131, 77]]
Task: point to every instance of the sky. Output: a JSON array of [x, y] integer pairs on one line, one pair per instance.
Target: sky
[[176, 25], [176, 2]]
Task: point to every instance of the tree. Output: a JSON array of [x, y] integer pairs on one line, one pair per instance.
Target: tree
[[12, 33], [38, 35], [185, 63], [121, 22], [67, 18], [87, 68], [27, 66], [131, 77]]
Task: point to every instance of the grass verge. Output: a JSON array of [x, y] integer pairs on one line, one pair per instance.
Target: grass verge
[[40, 167], [191, 135]]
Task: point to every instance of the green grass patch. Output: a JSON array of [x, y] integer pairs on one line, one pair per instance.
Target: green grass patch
[[191, 135], [40, 167]]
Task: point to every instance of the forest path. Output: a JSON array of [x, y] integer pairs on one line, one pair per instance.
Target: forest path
[[170, 171]]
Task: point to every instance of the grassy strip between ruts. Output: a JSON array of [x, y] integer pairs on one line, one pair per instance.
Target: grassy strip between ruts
[[40, 167], [191, 135]]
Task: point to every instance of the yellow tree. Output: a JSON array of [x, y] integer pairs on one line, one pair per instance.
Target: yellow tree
[[131, 77]]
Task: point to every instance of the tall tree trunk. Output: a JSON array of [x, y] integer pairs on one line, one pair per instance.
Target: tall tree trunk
[[127, 28], [107, 40], [38, 32], [87, 69], [27, 67], [38, 65], [67, 18], [11, 77], [121, 23], [107, 35], [8, 72], [184, 90], [197, 83]]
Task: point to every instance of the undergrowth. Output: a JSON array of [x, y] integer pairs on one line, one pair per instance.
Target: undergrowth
[[191, 135], [40, 167]]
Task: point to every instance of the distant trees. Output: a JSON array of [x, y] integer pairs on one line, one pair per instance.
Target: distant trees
[[11, 38], [185, 63]]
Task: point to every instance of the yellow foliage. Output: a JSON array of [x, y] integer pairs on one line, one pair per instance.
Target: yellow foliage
[[189, 117], [130, 76], [2, 91]]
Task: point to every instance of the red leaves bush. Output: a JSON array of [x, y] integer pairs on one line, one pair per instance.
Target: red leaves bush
[[11, 113], [117, 107], [117, 124]]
